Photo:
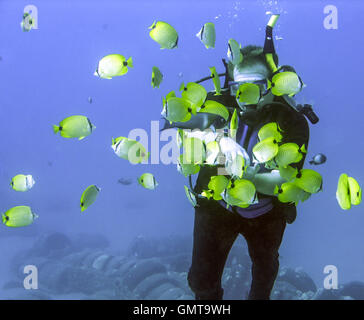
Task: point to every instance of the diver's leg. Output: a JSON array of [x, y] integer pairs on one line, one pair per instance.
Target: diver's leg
[[213, 236], [264, 238]]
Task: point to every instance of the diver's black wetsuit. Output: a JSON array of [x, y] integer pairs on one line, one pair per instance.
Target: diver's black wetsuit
[[216, 228]]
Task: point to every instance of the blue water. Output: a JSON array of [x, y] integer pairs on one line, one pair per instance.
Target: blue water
[[47, 75]]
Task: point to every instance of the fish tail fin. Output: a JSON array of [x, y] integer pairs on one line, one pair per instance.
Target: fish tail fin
[[55, 129], [80, 138], [269, 84], [130, 62], [303, 149], [182, 86], [276, 189], [153, 25]]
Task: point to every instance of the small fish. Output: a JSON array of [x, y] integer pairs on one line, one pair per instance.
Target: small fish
[[190, 196], [234, 54], [27, 22], [212, 152], [343, 192], [89, 99], [319, 158], [129, 149], [266, 150], [19, 216], [214, 107], [290, 193], [270, 130], [308, 180], [125, 182], [289, 153], [195, 93], [176, 109], [74, 127], [285, 83], [148, 181], [201, 121], [207, 35], [278, 38], [157, 77], [217, 186], [248, 93], [355, 191], [89, 196], [113, 65], [22, 182], [235, 165], [186, 168], [234, 123], [288, 173], [180, 74], [194, 151], [216, 81], [240, 193], [164, 34]]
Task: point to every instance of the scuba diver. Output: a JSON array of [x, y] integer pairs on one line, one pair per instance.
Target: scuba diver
[[262, 224]]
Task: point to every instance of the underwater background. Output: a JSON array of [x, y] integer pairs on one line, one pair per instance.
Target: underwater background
[[47, 74]]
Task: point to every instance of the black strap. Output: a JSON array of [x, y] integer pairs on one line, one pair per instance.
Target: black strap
[[268, 43], [226, 83]]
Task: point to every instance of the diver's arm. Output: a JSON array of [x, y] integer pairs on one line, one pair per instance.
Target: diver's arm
[[266, 182], [269, 44]]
